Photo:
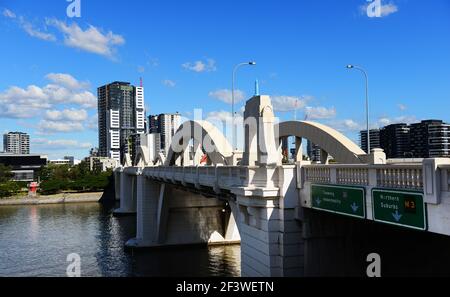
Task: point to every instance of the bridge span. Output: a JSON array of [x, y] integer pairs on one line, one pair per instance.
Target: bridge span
[[276, 211]]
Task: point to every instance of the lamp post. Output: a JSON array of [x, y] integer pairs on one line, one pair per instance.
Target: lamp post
[[367, 102], [251, 63]]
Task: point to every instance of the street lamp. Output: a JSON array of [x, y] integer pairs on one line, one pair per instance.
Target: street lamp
[[251, 63], [367, 102]]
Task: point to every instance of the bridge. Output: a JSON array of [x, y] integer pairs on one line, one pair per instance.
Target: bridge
[[283, 215]]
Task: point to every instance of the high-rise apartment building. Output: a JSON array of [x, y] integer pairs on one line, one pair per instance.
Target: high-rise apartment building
[[166, 125], [16, 143], [427, 139], [439, 140], [395, 141], [430, 139], [121, 113], [313, 151], [420, 138], [374, 139]]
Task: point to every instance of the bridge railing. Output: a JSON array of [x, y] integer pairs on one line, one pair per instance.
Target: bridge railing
[[212, 176], [404, 176], [409, 176], [400, 176]]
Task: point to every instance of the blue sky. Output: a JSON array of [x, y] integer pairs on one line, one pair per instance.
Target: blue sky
[[185, 51]]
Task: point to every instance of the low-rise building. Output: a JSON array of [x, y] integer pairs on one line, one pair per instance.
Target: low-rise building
[[59, 162], [101, 163], [24, 167]]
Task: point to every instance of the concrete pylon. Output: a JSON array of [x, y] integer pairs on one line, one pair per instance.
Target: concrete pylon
[[259, 121]]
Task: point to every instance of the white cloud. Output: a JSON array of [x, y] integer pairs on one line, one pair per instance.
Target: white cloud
[[90, 40], [50, 127], [57, 94], [92, 123], [33, 32], [221, 116], [169, 83], [141, 69], [385, 121], [320, 112], [75, 115], [28, 102], [385, 9], [225, 95], [67, 81], [347, 125], [289, 103], [201, 66], [402, 107], [28, 27], [351, 125], [388, 9], [23, 103], [59, 144], [9, 14]]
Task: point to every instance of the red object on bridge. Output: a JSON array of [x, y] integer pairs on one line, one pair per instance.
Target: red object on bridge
[[33, 187], [204, 159]]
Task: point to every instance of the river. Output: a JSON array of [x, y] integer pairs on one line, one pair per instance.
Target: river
[[36, 240]]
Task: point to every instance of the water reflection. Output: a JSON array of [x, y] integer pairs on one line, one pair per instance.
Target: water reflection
[[35, 241]]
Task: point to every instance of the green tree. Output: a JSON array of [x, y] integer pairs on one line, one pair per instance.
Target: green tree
[[8, 188], [5, 173], [45, 173], [53, 186]]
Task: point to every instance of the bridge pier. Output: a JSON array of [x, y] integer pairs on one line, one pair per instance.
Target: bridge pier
[[117, 174], [128, 191], [271, 237], [169, 216]]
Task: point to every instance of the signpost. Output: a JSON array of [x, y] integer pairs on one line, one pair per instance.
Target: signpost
[[401, 208], [345, 200]]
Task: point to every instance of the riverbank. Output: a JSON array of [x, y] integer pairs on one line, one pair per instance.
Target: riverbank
[[53, 199]]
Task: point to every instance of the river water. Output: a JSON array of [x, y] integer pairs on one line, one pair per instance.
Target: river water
[[36, 240]]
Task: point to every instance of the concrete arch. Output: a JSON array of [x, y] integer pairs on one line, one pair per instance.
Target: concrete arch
[[127, 160], [205, 136], [142, 158], [160, 159], [333, 142]]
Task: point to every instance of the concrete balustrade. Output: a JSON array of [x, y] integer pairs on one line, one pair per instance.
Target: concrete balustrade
[[387, 176]]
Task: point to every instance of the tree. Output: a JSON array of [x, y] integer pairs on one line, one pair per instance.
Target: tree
[[5, 173], [50, 187], [76, 178], [45, 173], [8, 188]]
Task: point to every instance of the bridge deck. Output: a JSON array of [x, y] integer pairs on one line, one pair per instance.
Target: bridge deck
[[394, 177]]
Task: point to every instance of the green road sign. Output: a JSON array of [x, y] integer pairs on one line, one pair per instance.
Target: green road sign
[[346, 200], [399, 208]]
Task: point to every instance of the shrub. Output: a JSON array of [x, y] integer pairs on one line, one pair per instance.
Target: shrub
[[54, 186], [8, 189]]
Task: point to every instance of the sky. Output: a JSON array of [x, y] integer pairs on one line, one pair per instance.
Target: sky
[[52, 62]]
